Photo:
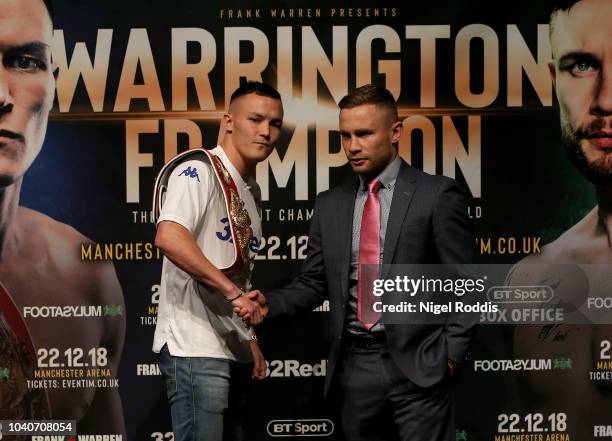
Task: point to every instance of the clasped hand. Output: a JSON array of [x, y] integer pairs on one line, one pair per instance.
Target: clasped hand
[[252, 307]]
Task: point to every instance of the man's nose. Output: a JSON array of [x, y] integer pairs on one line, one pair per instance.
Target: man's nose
[[264, 129], [602, 104], [5, 95], [353, 144]]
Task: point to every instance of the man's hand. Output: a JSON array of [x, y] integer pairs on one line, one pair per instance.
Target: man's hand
[[250, 311], [257, 297], [259, 362]]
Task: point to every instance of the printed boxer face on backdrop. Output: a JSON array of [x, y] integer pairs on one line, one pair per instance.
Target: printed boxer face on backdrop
[[255, 122], [581, 41], [368, 133], [27, 85]]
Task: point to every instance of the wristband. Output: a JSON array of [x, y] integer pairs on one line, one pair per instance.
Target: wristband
[[240, 294]]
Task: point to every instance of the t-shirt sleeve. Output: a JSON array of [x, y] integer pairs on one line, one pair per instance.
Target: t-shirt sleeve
[[188, 194]]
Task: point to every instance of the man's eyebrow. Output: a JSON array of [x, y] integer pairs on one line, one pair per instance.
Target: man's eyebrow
[[577, 55], [31, 46]]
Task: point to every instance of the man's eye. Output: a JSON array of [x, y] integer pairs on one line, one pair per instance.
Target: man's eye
[[28, 63], [582, 67]]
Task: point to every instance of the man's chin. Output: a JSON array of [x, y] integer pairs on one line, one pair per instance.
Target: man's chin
[[599, 175], [10, 171], [261, 156], [7, 179], [359, 169]]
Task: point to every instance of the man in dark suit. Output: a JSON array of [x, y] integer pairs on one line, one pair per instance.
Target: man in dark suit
[[391, 380]]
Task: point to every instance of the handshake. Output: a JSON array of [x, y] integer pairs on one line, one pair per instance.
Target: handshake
[[251, 307]]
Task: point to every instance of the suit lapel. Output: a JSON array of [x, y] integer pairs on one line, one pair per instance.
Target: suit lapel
[[346, 206], [405, 186]]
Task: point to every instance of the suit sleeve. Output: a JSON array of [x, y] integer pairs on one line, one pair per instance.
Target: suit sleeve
[[455, 244], [309, 289]]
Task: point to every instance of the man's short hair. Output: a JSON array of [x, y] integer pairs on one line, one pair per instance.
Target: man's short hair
[[562, 5], [255, 88], [370, 94]]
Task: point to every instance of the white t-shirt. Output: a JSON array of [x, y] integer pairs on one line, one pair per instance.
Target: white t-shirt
[[193, 320]]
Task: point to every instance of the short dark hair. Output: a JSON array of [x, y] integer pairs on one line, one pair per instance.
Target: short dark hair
[[370, 94], [256, 88], [562, 5]]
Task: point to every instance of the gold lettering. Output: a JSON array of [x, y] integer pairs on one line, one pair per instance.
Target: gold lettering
[[490, 65], [199, 72], [138, 53], [520, 59], [94, 74]]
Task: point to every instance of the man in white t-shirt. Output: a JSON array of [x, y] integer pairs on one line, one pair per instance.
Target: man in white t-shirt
[[209, 228]]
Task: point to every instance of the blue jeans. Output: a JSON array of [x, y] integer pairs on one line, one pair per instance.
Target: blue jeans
[[207, 396]]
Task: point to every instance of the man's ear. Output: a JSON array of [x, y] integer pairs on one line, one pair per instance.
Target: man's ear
[[228, 122], [396, 131], [552, 68]]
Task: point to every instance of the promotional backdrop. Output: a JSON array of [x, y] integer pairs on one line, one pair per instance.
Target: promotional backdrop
[[141, 81]]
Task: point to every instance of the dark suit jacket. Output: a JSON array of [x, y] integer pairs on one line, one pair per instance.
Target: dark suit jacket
[[428, 224]]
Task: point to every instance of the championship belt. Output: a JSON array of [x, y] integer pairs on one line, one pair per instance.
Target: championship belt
[[238, 216], [17, 364]]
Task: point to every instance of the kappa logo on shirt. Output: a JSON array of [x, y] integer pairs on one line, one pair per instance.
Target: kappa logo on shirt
[[191, 172]]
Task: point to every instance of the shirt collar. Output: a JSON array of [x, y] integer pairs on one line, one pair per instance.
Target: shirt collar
[[220, 152], [387, 177]]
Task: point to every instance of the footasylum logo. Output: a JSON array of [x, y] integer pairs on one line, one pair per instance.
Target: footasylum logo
[[70, 311], [562, 363], [113, 310], [540, 364], [461, 435]]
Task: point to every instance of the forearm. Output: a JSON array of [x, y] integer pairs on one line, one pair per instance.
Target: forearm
[[180, 248], [300, 296]]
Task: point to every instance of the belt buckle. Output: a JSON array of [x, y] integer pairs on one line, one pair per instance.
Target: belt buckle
[[367, 341]]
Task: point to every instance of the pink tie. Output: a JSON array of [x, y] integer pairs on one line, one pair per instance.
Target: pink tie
[[369, 254]]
